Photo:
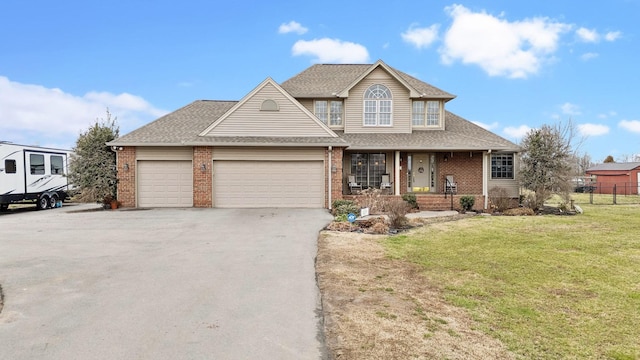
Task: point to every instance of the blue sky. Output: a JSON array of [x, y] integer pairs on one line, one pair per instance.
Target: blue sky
[[513, 65]]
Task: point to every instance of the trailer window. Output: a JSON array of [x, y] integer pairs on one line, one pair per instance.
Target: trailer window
[[10, 166], [56, 165], [37, 164]]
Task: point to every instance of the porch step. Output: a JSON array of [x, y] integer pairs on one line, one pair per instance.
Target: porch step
[[438, 202]]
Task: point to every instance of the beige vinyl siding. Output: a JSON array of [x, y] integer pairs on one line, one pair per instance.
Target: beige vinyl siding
[[164, 153], [262, 154], [401, 111], [258, 184], [511, 185], [307, 103], [248, 120], [165, 183]]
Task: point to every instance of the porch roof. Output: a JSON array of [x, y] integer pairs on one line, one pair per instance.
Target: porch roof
[[459, 135]]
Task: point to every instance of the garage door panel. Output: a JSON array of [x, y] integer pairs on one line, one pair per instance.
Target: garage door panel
[[269, 184], [165, 183]]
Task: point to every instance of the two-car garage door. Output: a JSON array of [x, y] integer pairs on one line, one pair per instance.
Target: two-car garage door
[[240, 184], [268, 184]]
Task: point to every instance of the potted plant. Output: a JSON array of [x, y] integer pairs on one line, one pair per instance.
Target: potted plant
[[110, 202]]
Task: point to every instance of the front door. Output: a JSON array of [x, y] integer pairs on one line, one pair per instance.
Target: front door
[[422, 173]]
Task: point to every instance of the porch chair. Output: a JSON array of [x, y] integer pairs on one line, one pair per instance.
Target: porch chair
[[353, 184], [450, 186], [385, 184]]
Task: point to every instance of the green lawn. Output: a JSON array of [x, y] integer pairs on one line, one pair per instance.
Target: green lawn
[[549, 287]]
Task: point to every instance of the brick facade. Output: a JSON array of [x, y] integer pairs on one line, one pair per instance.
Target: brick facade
[[466, 168], [126, 160], [202, 178], [404, 172], [336, 176]]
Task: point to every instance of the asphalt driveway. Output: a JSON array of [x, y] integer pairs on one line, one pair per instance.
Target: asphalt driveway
[[160, 284]]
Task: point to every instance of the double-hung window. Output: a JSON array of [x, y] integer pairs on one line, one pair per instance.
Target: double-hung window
[[377, 106], [425, 111], [502, 166], [417, 114], [330, 111]]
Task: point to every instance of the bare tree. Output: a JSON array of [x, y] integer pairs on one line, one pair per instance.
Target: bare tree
[[547, 161]]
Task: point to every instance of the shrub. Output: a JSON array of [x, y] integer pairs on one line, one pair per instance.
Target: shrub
[[397, 210], [410, 198], [519, 211], [372, 198], [499, 198], [340, 226], [378, 228], [344, 207], [528, 199], [466, 202]]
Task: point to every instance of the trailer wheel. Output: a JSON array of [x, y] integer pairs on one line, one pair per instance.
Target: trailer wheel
[[43, 202], [53, 201]]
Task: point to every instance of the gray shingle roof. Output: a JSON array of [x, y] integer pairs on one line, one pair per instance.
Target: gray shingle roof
[[325, 80], [460, 134], [615, 166], [181, 128]]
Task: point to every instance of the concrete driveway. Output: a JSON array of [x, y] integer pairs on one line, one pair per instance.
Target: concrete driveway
[[160, 284]]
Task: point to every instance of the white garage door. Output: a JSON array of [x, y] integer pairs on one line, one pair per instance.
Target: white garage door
[[268, 184], [165, 183]]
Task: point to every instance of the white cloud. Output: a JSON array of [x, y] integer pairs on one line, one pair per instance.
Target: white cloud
[[486, 126], [421, 37], [607, 115], [517, 132], [593, 129], [588, 56], [570, 109], [292, 27], [630, 125], [592, 35], [327, 50], [588, 35], [40, 115], [501, 48], [612, 35]]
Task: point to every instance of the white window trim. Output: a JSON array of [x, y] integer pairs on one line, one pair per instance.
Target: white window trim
[[426, 112], [377, 112], [328, 108]]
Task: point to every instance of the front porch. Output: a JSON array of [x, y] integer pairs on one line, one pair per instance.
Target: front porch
[[428, 174]]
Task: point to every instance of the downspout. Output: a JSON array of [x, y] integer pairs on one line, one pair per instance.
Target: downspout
[[329, 168]]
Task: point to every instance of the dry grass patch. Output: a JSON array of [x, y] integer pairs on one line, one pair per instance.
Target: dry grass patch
[[379, 308]]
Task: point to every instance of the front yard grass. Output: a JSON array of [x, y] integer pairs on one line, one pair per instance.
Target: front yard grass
[[548, 287]]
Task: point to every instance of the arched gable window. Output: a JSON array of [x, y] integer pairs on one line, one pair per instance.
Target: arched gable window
[[377, 106]]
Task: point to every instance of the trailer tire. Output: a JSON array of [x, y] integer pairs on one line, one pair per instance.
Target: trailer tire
[[43, 202], [52, 201]]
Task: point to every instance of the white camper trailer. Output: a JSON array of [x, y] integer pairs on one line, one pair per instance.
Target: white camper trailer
[[32, 174]]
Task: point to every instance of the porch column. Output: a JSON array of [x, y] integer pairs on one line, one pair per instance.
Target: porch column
[[485, 177], [396, 175]]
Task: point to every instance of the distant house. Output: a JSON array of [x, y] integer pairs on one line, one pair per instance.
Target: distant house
[[624, 176], [327, 133]]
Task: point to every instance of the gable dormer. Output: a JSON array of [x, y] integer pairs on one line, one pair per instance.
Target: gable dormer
[[373, 98]]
